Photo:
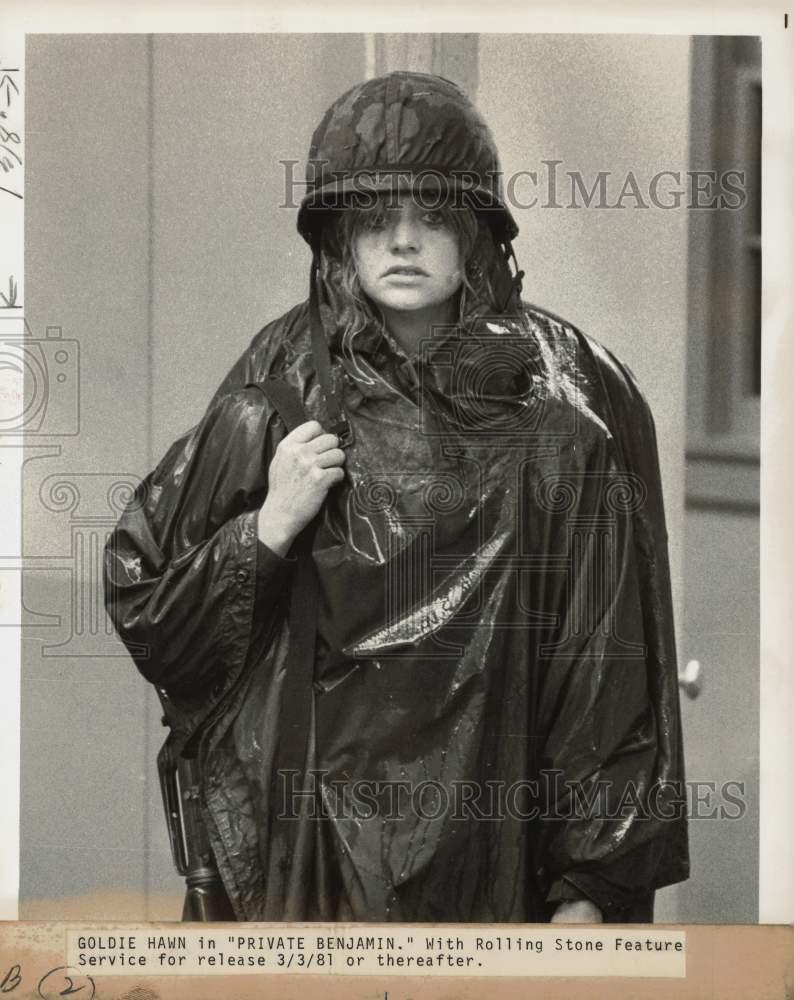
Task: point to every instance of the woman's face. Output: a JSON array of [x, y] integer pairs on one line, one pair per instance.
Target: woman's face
[[407, 257]]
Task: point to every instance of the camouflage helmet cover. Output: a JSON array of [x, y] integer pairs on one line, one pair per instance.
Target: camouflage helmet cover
[[403, 129]]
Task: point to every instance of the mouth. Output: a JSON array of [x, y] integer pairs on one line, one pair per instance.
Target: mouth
[[406, 270]]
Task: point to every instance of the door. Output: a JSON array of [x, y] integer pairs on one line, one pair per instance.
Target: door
[[721, 627]]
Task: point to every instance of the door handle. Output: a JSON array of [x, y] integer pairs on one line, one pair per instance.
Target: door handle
[[690, 679]]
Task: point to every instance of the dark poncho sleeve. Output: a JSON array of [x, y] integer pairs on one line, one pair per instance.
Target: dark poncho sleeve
[[613, 824]]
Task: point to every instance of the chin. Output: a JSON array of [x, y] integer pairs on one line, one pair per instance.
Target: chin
[[409, 302], [412, 306]]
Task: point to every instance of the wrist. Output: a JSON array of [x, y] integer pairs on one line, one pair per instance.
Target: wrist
[[273, 533]]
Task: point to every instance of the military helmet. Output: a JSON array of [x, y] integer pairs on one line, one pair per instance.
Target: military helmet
[[404, 130]]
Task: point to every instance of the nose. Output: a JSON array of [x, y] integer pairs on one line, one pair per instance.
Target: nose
[[405, 234]]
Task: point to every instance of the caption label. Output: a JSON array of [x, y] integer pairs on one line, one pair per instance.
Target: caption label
[[375, 950]]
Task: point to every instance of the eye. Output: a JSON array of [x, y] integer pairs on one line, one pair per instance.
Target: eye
[[375, 220], [433, 217]]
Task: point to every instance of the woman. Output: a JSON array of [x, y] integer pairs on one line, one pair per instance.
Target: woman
[[462, 535]]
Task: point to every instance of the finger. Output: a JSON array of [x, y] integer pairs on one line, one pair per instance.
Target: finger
[[323, 442], [330, 477], [330, 458], [305, 432]]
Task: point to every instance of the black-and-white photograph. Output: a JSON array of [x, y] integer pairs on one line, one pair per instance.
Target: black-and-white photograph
[[390, 496]]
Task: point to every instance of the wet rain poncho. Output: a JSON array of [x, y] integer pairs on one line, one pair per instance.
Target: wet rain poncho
[[494, 721]]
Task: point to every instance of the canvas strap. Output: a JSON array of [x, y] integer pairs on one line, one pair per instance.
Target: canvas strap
[[296, 696]]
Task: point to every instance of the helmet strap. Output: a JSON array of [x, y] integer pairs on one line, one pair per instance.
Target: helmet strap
[[508, 284]]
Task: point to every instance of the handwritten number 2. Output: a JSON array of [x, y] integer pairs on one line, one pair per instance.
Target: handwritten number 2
[[70, 988]]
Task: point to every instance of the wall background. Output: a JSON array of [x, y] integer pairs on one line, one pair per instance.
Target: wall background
[[155, 238]]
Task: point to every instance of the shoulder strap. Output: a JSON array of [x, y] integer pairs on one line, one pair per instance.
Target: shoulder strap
[[284, 400], [296, 694]]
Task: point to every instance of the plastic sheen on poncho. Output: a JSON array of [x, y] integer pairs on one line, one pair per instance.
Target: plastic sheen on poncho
[[494, 717]]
